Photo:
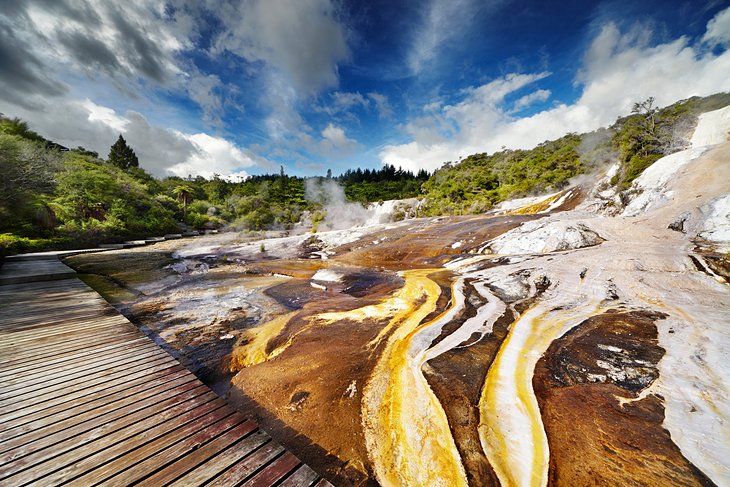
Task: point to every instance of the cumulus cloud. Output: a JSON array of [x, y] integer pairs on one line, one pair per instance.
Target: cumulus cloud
[[267, 31], [204, 89], [23, 77], [214, 155], [336, 143], [718, 29], [343, 103], [619, 68], [129, 44]]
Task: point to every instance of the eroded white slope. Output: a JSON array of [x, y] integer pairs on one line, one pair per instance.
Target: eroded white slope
[[712, 128]]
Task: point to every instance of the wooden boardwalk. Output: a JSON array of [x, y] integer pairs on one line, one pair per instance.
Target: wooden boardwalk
[[87, 399]]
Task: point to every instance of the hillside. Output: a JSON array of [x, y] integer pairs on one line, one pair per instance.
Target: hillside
[[480, 181], [53, 197]]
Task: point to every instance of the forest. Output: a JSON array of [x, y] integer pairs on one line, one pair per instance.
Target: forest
[[52, 197]]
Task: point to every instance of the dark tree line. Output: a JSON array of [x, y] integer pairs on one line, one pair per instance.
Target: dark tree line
[[387, 173]]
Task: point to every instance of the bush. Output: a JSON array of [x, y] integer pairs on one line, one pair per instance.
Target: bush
[[13, 244]]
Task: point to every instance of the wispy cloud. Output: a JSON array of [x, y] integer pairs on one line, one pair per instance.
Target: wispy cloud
[[527, 100], [619, 68], [382, 104]]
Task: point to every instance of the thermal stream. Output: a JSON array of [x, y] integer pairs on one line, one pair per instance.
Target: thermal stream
[[588, 265]]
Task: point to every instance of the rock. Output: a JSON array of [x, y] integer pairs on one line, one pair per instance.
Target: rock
[[678, 225], [542, 282], [538, 237], [611, 291]]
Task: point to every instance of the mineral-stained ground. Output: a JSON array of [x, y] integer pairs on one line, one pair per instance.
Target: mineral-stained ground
[[547, 346]]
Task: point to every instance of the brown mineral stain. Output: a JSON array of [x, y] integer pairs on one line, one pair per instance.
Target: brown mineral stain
[[594, 440]]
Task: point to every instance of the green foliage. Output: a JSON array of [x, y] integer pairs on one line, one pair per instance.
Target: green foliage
[[121, 155], [54, 199], [650, 133], [480, 181], [387, 183], [28, 175], [14, 244], [19, 128], [107, 203]]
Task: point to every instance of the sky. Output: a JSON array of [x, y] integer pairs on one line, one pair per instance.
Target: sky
[[242, 87]]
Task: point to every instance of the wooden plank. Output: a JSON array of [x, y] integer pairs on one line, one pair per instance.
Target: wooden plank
[[155, 447], [50, 317], [45, 307], [29, 297], [78, 348], [85, 398], [125, 384], [35, 288], [78, 323], [27, 376], [175, 452], [248, 466], [275, 471], [302, 477], [61, 337], [73, 410], [74, 462], [22, 353], [186, 462], [27, 455], [135, 353], [137, 350], [43, 303], [322, 483], [84, 386], [48, 433], [224, 460], [100, 323], [68, 362]]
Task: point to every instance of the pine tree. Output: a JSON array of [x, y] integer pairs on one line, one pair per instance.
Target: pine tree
[[121, 155]]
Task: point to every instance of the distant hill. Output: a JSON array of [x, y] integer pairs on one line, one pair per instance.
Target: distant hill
[[53, 197], [480, 181]]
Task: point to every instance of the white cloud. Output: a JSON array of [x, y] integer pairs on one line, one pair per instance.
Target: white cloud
[[343, 102], [529, 99], [304, 41], [214, 155], [335, 142], [132, 42], [618, 70], [205, 91], [382, 104], [161, 151], [718, 29], [104, 115], [131, 47]]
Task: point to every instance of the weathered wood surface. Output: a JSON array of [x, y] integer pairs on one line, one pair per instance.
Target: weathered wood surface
[[87, 399]]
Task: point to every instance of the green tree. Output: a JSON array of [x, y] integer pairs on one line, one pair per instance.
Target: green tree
[[121, 155], [184, 194]]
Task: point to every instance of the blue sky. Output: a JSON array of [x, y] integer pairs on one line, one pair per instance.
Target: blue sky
[[242, 87]]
